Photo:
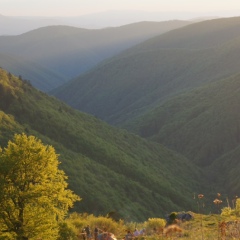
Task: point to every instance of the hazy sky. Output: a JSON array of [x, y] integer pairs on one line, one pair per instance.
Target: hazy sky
[[79, 7]]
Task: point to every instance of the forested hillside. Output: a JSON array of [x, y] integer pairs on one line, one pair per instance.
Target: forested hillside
[[125, 87], [207, 116], [180, 89], [69, 51], [203, 125], [111, 169]]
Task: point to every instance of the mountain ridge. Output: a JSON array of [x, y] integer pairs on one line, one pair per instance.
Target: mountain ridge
[[70, 51], [140, 78], [14, 25]]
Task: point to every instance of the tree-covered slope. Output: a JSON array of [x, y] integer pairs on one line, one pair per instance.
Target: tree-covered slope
[[224, 172], [203, 124], [126, 86], [69, 51], [111, 169]]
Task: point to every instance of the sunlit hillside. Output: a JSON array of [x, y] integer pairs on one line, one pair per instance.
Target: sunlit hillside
[[111, 169]]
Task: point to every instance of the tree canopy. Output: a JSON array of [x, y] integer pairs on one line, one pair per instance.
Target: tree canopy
[[33, 191]]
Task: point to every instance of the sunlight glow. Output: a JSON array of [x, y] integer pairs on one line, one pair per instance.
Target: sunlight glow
[[80, 7]]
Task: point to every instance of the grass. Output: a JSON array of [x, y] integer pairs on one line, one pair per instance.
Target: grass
[[207, 227], [200, 227]]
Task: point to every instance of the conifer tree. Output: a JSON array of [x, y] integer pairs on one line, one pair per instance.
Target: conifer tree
[[33, 190]]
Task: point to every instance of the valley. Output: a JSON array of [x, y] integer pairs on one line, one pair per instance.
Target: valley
[[143, 116]]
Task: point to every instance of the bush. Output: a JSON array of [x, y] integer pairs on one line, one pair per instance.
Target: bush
[[67, 232], [154, 225]]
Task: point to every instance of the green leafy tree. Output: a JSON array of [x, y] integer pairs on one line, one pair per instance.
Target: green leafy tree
[[33, 191]]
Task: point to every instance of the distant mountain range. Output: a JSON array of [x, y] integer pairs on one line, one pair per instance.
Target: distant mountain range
[[60, 53], [10, 25], [126, 86], [18, 25]]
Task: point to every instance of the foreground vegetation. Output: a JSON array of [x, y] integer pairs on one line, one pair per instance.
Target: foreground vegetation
[[209, 227]]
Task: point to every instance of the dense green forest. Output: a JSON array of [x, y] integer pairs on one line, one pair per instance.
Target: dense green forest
[[109, 168], [204, 126]]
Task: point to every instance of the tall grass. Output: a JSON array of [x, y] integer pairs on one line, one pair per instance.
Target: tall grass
[[223, 225]]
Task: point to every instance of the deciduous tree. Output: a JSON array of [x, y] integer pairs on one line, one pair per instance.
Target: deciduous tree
[[33, 190]]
